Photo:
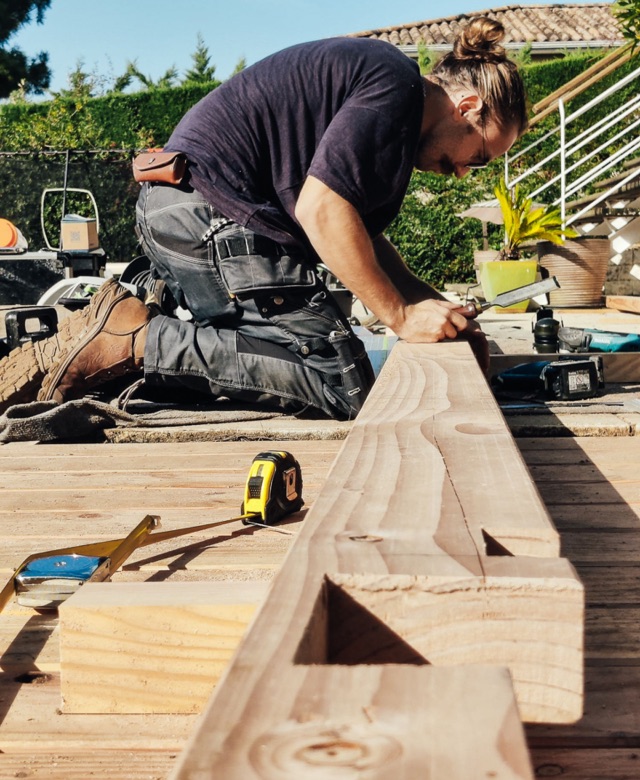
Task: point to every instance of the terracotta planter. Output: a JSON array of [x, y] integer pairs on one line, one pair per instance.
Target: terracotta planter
[[580, 266]]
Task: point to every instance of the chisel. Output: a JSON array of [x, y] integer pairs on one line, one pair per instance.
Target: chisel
[[471, 310]]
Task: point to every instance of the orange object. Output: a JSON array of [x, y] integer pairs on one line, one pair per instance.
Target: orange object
[[8, 234]]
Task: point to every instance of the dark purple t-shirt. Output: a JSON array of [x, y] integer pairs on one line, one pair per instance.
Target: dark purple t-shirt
[[347, 111]]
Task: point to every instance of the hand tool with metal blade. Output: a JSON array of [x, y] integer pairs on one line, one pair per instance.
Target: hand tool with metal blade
[[44, 580], [519, 294]]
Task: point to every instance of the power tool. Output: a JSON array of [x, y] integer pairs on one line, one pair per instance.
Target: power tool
[[550, 335], [44, 580], [567, 379], [594, 340], [545, 331]]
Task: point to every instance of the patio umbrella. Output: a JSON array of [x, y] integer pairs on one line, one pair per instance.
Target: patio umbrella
[[486, 211]]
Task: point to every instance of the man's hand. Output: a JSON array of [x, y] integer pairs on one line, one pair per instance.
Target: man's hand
[[429, 321], [434, 320]]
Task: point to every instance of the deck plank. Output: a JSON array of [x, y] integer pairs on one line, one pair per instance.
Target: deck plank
[[53, 495], [600, 533], [612, 764]]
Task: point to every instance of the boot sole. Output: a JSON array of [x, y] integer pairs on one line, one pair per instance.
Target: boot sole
[[23, 369]]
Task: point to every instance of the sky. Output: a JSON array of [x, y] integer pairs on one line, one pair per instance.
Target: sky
[[105, 34]]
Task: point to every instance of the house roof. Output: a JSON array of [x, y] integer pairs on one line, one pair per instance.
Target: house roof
[[546, 27]]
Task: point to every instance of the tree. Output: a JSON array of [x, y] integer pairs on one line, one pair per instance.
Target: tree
[[17, 71], [427, 58], [80, 84], [628, 14], [201, 71], [522, 56], [133, 72], [241, 64]]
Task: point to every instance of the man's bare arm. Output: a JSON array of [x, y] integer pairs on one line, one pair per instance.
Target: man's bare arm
[[416, 290], [336, 232], [410, 286]]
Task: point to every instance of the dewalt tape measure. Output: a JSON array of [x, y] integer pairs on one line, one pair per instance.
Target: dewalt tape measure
[[44, 580]]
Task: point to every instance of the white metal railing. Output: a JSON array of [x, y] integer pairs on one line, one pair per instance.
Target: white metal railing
[[566, 153], [577, 143]]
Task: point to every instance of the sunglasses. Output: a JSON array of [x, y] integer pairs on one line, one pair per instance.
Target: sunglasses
[[476, 166]]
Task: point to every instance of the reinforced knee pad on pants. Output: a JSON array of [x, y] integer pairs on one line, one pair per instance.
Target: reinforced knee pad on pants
[[355, 368]]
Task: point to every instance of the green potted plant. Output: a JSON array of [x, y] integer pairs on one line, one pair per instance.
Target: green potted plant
[[525, 224]]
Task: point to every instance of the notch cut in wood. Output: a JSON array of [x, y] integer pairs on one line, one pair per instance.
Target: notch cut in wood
[[442, 620]]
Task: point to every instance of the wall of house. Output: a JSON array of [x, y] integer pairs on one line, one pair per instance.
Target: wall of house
[[619, 280]]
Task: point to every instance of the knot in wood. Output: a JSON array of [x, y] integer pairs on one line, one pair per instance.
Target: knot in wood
[[306, 750]]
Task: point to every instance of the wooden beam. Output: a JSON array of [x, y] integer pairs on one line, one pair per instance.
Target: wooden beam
[[581, 82], [150, 647], [405, 722], [428, 546], [624, 303]]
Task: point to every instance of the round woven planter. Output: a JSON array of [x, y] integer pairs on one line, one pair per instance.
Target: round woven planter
[[580, 266]]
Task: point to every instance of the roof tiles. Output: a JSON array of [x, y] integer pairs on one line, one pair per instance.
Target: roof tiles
[[570, 23]]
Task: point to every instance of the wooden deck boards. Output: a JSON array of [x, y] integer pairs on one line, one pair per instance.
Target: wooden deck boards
[[590, 487], [51, 495]]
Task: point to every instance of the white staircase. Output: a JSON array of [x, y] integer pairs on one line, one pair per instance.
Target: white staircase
[[593, 171]]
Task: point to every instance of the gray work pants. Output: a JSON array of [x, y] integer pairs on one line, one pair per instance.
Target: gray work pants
[[265, 328]]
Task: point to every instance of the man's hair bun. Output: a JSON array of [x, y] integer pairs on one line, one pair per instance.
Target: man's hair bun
[[479, 62], [480, 40]]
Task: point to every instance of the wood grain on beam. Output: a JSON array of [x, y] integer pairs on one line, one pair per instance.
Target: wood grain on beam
[[428, 532], [624, 303]]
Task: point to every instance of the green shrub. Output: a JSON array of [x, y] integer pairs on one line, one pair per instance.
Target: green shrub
[[114, 121], [436, 243]]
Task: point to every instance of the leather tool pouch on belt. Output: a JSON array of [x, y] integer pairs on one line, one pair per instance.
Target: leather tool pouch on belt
[[165, 167]]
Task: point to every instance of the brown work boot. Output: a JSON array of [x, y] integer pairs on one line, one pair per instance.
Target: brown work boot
[[22, 371], [111, 346]]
